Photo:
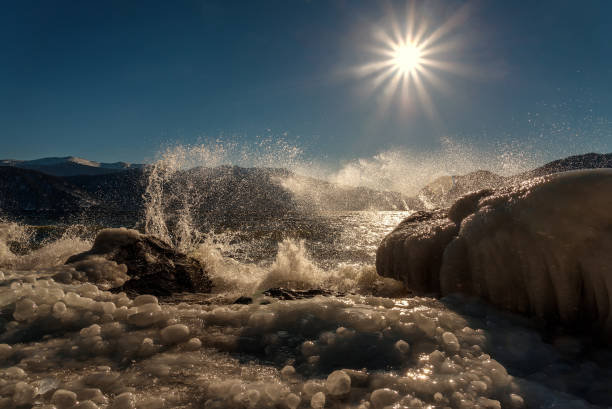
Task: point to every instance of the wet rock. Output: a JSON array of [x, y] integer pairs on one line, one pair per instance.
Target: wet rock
[[288, 294], [152, 266], [243, 300]]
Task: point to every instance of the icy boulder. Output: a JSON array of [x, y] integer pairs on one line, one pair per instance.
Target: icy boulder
[[152, 266], [542, 248]]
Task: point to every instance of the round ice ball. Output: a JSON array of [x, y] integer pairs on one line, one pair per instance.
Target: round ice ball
[[192, 345], [63, 398], [59, 309], [384, 397], [317, 401], [24, 310], [144, 299], [450, 342], [91, 331], [124, 401], [338, 383], [309, 348], [292, 401], [24, 394], [5, 351], [173, 334], [402, 347], [287, 371], [86, 404]]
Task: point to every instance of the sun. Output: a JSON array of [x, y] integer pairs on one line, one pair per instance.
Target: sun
[[407, 58], [410, 57]]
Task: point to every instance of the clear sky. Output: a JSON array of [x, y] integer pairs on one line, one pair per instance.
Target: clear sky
[[115, 80]]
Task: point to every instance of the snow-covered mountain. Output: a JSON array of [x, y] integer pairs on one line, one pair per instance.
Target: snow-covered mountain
[[70, 166]]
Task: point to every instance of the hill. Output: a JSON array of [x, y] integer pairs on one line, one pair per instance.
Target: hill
[[70, 166]]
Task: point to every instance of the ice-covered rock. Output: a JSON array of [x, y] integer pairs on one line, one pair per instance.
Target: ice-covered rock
[[542, 248], [152, 266]]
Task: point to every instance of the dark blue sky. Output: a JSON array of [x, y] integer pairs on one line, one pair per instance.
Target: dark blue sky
[[115, 80]]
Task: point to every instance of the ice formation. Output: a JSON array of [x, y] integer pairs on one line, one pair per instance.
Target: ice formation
[[543, 248], [76, 346]]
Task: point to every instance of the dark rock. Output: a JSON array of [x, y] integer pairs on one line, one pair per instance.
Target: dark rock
[[153, 266], [288, 294], [243, 300]]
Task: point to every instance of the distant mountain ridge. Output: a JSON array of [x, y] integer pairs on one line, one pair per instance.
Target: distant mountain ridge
[[77, 190], [70, 166], [221, 193], [444, 190]]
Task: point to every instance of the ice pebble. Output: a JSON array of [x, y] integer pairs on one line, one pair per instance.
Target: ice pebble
[[479, 386], [24, 394], [121, 313], [91, 331], [88, 290], [425, 324], [451, 343], [125, 400], [252, 397], [338, 383], [86, 404], [192, 345], [145, 318], [402, 347], [103, 379], [25, 309], [292, 401], [287, 371], [92, 394], [317, 401], [173, 334], [144, 299], [384, 397], [309, 348], [497, 373], [151, 403], [107, 307], [488, 403], [63, 398], [262, 319], [14, 372], [59, 309], [147, 347], [5, 351], [75, 300], [516, 401], [311, 387]]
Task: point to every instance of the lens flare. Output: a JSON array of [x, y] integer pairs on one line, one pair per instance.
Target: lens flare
[[409, 56]]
